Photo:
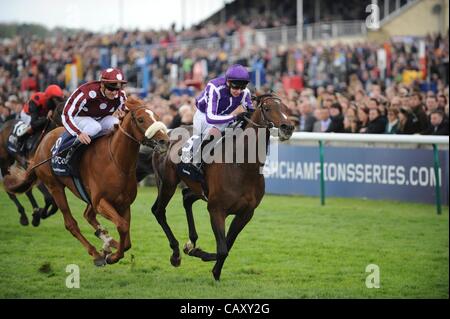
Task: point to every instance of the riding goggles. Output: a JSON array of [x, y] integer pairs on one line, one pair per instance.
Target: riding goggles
[[112, 87], [238, 85]]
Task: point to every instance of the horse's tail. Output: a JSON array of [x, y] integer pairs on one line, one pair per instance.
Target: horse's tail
[[19, 180]]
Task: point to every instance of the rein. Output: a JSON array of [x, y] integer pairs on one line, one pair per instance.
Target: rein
[[128, 134], [114, 160], [122, 130]]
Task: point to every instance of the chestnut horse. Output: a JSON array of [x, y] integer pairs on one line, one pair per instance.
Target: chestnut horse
[[6, 160], [232, 189], [108, 171]]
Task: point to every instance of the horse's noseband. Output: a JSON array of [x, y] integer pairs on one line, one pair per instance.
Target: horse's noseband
[[146, 141]]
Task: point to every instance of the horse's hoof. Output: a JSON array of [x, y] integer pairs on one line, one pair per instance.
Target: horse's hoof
[[216, 275], [188, 247], [44, 214], [24, 220], [36, 219], [175, 260], [110, 260], [100, 262]]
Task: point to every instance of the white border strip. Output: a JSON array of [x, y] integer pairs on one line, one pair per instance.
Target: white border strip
[[374, 138]]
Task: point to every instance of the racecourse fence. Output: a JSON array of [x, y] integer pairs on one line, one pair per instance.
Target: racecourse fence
[[395, 167]]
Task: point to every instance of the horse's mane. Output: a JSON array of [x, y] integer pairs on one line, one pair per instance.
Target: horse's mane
[[258, 98]]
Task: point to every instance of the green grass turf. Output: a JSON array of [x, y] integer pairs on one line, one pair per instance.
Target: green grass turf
[[292, 248]]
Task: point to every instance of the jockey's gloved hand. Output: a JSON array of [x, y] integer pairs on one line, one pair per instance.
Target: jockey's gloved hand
[[241, 116]]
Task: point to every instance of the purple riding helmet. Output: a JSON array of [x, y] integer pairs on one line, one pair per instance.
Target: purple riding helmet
[[237, 73]]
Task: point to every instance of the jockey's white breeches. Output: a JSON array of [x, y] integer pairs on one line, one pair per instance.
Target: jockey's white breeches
[[200, 133], [93, 127], [24, 117], [202, 127]]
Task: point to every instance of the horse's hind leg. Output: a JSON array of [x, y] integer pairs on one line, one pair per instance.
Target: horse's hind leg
[[189, 198], [23, 216], [190, 248], [71, 224], [165, 193], [36, 210], [50, 205]]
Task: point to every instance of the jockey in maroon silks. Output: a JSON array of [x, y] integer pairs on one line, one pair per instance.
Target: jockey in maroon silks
[[89, 110]]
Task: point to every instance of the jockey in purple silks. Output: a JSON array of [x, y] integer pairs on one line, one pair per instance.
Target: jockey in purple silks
[[217, 107]]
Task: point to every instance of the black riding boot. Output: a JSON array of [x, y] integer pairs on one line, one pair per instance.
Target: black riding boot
[[21, 149], [76, 144], [199, 152]]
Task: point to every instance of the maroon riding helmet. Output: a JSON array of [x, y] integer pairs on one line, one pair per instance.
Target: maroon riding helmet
[[113, 78]]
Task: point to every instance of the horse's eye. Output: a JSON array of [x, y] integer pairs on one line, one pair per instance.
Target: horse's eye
[[140, 120], [266, 109]]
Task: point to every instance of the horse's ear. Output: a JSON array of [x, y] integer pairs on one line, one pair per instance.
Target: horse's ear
[[133, 102]]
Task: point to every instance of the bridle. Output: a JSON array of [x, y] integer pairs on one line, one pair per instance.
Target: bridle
[[260, 102], [146, 141]]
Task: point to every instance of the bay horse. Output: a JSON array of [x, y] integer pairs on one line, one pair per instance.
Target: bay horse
[[108, 171], [6, 160], [232, 189]]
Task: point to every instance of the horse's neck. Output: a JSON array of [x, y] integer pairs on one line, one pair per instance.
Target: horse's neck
[[124, 150]]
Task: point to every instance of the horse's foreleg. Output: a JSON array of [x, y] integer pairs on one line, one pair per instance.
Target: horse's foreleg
[[36, 210], [123, 227], [100, 232], [127, 217], [165, 193], [237, 224], [71, 224], [218, 226]]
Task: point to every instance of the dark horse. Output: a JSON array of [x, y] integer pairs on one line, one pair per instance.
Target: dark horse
[[6, 160], [108, 171], [232, 189]]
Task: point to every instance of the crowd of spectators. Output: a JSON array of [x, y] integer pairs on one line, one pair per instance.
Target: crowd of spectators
[[341, 87]]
